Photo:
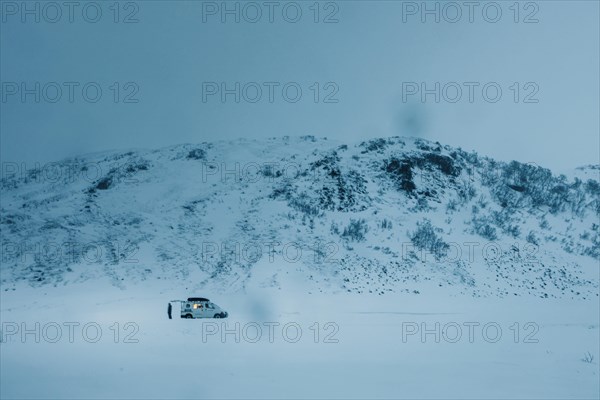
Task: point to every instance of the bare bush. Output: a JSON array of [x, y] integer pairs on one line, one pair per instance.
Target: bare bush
[[425, 238], [356, 230]]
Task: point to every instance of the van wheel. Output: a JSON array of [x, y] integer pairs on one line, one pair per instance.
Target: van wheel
[[217, 316], [189, 316]]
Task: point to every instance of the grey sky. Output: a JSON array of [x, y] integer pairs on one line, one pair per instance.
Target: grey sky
[[363, 61]]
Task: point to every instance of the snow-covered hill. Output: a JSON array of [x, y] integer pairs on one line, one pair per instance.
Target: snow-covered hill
[[386, 215]]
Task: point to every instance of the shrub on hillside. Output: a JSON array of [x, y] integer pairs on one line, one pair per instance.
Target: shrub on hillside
[[483, 228], [425, 238], [356, 230]]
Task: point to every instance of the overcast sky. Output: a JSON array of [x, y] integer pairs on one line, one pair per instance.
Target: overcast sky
[[360, 77]]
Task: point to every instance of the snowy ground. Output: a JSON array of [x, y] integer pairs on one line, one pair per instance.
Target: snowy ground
[[363, 348]]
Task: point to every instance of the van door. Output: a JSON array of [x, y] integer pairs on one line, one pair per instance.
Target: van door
[[198, 310], [210, 310], [203, 310], [186, 309]]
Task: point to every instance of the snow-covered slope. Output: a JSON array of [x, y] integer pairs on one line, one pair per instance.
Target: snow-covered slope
[[350, 271], [307, 214]]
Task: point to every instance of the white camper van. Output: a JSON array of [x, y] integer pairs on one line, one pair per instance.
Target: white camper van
[[200, 307]]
